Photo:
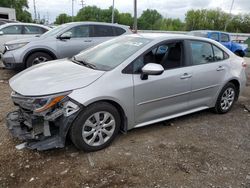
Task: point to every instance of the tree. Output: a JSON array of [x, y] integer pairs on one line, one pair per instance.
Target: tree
[[89, 13], [63, 18], [20, 6], [125, 19], [150, 19]]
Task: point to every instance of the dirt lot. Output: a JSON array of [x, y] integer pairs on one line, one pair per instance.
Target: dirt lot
[[198, 150]]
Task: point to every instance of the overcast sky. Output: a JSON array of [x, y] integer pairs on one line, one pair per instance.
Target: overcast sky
[[168, 8]]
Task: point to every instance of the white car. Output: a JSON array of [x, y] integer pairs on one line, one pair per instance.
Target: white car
[[124, 83], [13, 31]]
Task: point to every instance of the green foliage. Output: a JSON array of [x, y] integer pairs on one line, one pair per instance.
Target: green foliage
[[63, 18], [217, 20], [20, 6], [125, 19], [150, 20]]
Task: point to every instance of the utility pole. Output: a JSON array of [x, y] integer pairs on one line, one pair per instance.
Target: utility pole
[[135, 16], [113, 11], [72, 17], [34, 3], [82, 3], [230, 15]]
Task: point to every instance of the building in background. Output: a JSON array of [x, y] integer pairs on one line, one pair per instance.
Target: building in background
[[7, 13]]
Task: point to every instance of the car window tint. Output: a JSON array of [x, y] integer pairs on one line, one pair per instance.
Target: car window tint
[[169, 55], [12, 30], [32, 30], [214, 36], [218, 54], [79, 31], [118, 31], [202, 52], [224, 37], [102, 31]]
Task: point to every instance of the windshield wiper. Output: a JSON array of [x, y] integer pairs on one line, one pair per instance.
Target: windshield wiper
[[82, 62]]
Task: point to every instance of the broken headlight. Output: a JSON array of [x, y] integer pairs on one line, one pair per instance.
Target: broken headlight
[[38, 104]]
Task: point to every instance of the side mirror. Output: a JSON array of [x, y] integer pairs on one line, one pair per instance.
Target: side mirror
[[1, 33], [151, 69], [65, 36]]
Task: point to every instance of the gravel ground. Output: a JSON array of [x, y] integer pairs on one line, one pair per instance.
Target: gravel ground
[[197, 150]]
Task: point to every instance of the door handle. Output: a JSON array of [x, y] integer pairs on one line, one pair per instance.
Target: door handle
[[88, 41], [186, 75], [220, 68]]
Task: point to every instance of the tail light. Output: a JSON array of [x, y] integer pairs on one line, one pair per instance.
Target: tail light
[[244, 64]]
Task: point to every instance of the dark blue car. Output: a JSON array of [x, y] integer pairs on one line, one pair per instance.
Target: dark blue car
[[223, 38]]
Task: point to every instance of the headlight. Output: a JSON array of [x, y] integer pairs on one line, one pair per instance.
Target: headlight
[[14, 46], [38, 104]]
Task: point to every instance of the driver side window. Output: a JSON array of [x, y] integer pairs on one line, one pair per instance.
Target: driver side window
[[79, 31], [169, 55]]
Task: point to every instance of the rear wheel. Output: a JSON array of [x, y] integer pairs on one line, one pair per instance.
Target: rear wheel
[[226, 98], [38, 57], [96, 127]]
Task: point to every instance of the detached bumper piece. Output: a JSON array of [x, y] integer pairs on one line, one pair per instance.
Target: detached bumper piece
[[40, 132]]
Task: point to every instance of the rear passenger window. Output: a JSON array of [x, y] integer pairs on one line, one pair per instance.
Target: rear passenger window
[[218, 54], [32, 30], [118, 31], [102, 31], [202, 52]]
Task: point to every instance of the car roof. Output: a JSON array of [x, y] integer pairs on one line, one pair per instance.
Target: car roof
[[97, 23], [159, 36], [209, 31], [30, 24]]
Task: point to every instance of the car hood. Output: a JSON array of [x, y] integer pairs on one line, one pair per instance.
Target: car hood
[[53, 77], [24, 40]]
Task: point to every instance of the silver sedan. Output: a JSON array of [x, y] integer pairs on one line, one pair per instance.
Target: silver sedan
[[125, 83]]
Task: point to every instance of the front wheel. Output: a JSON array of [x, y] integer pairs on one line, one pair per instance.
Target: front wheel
[[226, 99], [38, 57], [96, 127]]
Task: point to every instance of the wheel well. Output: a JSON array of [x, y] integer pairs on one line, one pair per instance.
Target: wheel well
[[237, 85], [124, 121], [39, 50], [239, 52]]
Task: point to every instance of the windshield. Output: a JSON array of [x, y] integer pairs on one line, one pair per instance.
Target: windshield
[[108, 55], [54, 31]]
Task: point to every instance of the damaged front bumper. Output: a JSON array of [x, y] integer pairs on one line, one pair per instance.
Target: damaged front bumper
[[43, 131]]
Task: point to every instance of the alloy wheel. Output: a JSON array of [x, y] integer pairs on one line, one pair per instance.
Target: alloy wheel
[[98, 128]]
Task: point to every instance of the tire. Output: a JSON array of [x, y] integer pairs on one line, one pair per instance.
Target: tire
[[86, 134], [228, 90], [37, 57]]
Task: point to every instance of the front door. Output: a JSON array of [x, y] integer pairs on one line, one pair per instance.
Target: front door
[[165, 94], [78, 42]]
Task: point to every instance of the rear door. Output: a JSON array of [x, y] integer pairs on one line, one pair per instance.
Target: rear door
[[209, 67], [79, 41], [101, 33], [9, 33]]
